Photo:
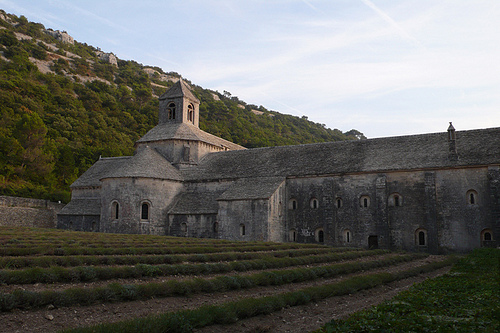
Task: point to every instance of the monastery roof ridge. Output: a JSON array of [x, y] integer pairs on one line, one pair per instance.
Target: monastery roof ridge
[[407, 152]]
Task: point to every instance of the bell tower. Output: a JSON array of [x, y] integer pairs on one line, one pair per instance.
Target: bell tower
[[179, 105]]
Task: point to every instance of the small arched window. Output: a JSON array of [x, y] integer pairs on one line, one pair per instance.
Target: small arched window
[[472, 197], [115, 210], [292, 236], [215, 227], [191, 113], [145, 211], [338, 202], [171, 110], [395, 200], [320, 235], [486, 238], [314, 203], [421, 237], [347, 235], [292, 204], [364, 201], [242, 230], [184, 228]]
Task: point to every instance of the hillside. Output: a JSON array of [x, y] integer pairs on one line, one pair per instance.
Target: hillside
[[64, 103]]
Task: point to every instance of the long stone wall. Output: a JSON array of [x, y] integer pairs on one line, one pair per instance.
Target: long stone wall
[[27, 212]]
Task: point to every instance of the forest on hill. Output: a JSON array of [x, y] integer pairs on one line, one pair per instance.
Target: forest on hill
[[63, 104]]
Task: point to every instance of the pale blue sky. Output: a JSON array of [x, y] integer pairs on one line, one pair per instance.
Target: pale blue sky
[[383, 67]]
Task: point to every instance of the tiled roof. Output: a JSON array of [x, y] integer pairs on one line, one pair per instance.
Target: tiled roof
[[102, 167], [82, 207], [146, 163], [475, 147], [182, 131], [179, 89], [203, 202], [250, 189]]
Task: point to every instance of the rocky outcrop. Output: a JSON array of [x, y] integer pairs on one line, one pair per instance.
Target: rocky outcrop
[[107, 57], [62, 36], [153, 73]]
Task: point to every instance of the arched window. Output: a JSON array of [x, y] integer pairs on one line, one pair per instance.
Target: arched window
[[191, 113], [242, 229], [320, 235], [292, 204], [292, 236], [171, 110], [395, 200], [338, 202], [314, 203], [145, 211], [347, 235], [421, 237], [115, 210], [364, 201], [472, 197], [487, 238], [215, 227], [184, 228]]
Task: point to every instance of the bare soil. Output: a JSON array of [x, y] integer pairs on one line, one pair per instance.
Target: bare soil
[[295, 319]]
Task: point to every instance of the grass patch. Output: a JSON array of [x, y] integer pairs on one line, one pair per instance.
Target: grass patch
[[465, 300]]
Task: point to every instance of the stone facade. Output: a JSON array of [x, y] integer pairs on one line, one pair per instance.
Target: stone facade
[[436, 192], [26, 212]]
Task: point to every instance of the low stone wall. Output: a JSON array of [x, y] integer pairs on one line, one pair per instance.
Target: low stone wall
[[26, 212]]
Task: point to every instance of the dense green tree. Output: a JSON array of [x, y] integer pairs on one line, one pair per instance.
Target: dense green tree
[[54, 126]]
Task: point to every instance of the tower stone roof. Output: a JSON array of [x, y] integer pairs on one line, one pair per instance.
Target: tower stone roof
[[183, 131], [147, 163], [92, 177], [179, 89], [426, 151]]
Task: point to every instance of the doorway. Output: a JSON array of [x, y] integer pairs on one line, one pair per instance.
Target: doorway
[[372, 242]]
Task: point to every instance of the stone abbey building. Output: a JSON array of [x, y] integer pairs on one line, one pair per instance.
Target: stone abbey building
[[436, 192]]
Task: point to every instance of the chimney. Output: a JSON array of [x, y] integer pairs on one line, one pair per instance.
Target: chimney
[[452, 146]]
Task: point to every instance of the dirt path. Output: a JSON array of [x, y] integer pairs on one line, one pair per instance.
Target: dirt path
[[296, 319], [306, 318]]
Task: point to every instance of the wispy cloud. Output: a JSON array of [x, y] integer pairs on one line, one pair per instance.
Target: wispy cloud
[[393, 23]]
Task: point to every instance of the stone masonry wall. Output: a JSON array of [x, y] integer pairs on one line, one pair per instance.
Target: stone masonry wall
[[26, 212]]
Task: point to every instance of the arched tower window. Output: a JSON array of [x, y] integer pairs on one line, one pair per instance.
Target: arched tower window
[[421, 237], [215, 227], [472, 197], [292, 204], [242, 230], [115, 210], [171, 110], [145, 211], [314, 203], [292, 236], [191, 113]]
